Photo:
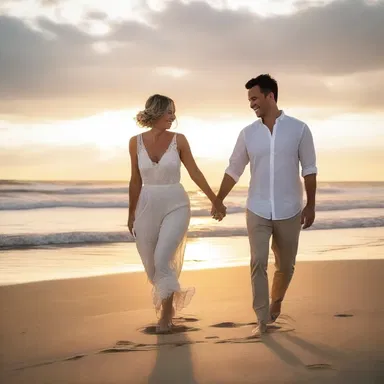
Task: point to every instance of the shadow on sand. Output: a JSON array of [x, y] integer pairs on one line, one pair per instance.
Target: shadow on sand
[[173, 360]]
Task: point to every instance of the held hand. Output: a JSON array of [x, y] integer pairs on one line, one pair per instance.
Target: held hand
[[217, 215], [219, 210], [130, 225], [307, 216]]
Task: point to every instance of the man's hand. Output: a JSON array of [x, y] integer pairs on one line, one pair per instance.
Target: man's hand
[[219, 210], [307, 216]]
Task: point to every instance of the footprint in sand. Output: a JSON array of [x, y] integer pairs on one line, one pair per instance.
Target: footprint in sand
[[275, 327], [186, 319], [271, 328], [319, 366], [240, 340], [249, 339], [77, 357], [230, 324], [177, 327], [343, 315], [71, 358], [129, 346], [151, 329], [120, 347]]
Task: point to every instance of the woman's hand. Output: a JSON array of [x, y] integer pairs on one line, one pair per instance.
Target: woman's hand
[[130, 222]]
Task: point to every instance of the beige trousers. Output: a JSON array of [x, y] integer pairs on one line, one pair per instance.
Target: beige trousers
[[285, 240]]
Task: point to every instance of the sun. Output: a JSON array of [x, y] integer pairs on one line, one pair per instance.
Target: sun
[[105, 130]]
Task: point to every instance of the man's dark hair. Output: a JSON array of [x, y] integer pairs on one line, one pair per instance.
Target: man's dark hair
[[266, 83]]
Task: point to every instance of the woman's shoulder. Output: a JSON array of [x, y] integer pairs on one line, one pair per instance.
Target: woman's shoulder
[[133, 142], [180, 137], [181, 141], [133, 139]]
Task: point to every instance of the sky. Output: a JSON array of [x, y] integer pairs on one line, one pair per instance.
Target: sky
[[73, 73]]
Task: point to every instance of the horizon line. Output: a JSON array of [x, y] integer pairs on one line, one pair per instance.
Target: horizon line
[[127, 181]]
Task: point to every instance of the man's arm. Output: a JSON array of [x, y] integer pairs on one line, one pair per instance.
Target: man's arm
[[310, 184], [307, 156], [226, 186], [308, 214]]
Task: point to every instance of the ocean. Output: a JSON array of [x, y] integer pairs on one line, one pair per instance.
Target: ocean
[[60, 229]]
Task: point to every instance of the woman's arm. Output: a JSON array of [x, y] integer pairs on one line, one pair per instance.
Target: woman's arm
[[194, 171], [135, 183]]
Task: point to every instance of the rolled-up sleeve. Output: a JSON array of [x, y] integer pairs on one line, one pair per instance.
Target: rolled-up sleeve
[[239, 159], [307, 153]]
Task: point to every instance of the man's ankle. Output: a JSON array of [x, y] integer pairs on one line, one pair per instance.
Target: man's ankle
[[260, 328]]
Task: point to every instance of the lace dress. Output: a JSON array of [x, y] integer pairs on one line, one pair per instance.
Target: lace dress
[[161, 223]]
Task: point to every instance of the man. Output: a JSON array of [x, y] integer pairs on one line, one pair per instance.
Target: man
[[274, 145]]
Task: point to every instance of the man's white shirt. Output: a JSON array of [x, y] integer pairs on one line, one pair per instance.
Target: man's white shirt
[[275, 189]]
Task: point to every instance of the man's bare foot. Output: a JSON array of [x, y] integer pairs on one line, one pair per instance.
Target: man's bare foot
[[260, 329], [274, 311]]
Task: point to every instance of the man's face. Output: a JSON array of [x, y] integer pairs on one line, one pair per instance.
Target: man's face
[[258, 101]]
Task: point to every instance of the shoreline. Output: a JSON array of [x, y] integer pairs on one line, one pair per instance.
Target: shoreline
[[184, 271], [50, 264]]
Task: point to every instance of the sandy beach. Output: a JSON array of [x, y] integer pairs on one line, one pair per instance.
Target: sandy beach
[[100, 330], [130, 129]]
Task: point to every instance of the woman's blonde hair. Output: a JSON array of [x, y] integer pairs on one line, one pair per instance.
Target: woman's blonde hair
[[155, 107]]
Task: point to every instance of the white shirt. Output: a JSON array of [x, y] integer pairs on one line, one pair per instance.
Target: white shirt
[[275, 189]]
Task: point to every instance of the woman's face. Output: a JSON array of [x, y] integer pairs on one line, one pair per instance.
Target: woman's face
[[165, 122]]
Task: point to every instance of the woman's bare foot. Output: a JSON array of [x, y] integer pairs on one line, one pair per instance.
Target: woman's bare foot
[[165, 322], [164, 326]]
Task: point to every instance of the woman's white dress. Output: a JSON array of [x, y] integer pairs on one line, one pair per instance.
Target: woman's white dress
[[161, 223]]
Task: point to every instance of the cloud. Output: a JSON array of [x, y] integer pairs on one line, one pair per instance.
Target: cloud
[[49, 2], [322, 56], [97, 15]]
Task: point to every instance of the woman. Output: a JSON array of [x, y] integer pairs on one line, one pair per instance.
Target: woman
[[159, 207]]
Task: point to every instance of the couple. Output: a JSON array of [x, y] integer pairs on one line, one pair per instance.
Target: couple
[[159, 207]]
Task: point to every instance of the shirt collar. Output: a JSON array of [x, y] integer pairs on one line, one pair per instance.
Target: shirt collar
[[281, 117]]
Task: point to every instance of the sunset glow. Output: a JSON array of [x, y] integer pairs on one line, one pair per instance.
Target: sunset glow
[[75, 73]]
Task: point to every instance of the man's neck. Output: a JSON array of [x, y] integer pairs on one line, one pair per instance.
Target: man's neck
[[270, 119]]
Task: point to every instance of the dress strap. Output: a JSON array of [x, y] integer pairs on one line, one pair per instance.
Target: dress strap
[[174, 142], [139, 142]]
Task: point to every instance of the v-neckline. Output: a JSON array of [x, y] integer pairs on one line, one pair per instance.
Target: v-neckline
[[161, 158]]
